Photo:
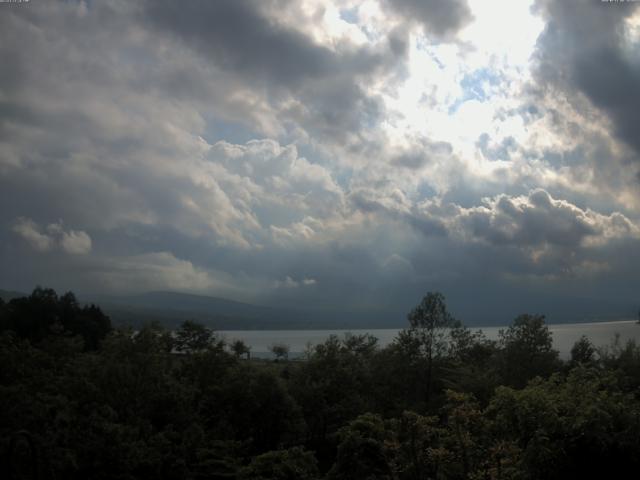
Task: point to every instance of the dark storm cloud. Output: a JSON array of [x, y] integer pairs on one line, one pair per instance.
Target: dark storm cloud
[[237, 36], [244, 36], [245, 40], [423, 153], [584, 49], [112, 176], [339, 111], [396, 207], [440, 18]]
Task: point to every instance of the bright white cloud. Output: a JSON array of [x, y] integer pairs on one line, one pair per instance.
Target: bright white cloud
[[505, 30], [153, 271], [289, 283], [30, 231], [537, 219], [326, 144], [74, 242]]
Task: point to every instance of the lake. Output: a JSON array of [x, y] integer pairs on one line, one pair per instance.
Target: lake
[[564, 336]]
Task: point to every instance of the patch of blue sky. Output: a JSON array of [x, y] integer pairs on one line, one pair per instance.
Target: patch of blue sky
[[343, 177], [425, 191], [501, 151], [349, 15], [424, 45], [218, 129], [476, 85]]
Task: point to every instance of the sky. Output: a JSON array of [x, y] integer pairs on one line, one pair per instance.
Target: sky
[[344, 154]]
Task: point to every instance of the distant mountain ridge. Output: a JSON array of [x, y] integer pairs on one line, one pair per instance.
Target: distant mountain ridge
[[7, 295], [171, 308], [181, 302]]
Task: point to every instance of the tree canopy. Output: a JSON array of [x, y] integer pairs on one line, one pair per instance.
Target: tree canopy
[[79, 400]]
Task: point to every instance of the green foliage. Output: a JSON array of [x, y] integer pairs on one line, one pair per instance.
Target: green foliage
[[79, 401], [583, 352], [293, 464], [193, 337], [399, 375], [280, 350], [430, 323], [239, 348], [624, 359], [472, 358], [430, 327], [361, 452], [466, 346], [251, 405], [527, 351], [334, 385], [466, 437], [414, 447], [581, 426], [43, 313]]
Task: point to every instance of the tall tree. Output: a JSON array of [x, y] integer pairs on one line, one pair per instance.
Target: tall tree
[[431, 323], [361, 452], [527, 350], [239, 348], [280, 350], [43, 312], [193, 337], [292, 464], [582, 352]]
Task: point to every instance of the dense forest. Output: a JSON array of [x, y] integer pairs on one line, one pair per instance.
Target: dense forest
[[82, 400]]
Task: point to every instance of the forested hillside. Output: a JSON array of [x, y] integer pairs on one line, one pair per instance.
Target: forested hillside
[[82, 400]]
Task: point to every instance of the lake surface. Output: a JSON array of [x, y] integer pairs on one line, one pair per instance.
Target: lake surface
[[564, 336]]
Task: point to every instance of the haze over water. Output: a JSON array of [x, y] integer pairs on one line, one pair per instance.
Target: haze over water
[[564, 336]]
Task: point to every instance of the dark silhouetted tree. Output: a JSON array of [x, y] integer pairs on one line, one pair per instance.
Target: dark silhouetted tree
[[527, 351], [193, 337], [43, 313], [292, 464], [583, 351], [431, 323], [361, 452], [240, 348], [280, 350], [471, 363]]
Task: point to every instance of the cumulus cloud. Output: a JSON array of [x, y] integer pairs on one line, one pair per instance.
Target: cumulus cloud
[[322, 88], [442, 19], [54, 236], [394, 205], [289, 282], [587, 48], [537, 219], [153, 271], [369, 150], [241, 37], [426, 151], [75, 242], [304, 230], [532, 220], [538, 236], [30, 231]]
